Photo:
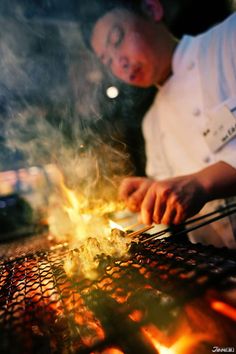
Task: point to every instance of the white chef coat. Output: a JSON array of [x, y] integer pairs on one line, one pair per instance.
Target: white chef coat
[[203, 80]]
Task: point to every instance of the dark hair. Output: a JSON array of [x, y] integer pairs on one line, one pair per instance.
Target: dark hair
[[181, 16], [92, 10]]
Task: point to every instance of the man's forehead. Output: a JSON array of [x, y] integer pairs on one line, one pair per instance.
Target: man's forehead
[[99, 34], [102, 28], [118, 16]]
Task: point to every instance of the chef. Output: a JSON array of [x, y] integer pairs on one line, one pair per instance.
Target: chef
[[190, 130]]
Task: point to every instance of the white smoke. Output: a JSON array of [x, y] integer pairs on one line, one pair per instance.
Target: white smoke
[[51, 84]]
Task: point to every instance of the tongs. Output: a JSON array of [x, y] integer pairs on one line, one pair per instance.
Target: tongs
[[207, 219]]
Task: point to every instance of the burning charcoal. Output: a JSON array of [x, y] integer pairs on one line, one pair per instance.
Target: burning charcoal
[[155, 305], [117, 325]]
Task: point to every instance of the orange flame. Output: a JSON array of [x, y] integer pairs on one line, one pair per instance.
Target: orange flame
[[185, 344], [153, 335], [224, 309], [86, 227]]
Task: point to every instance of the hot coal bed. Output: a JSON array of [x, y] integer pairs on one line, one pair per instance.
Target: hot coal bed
[[168, 293]]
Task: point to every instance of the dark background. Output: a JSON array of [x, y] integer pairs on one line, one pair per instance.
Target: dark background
[[51, 68]]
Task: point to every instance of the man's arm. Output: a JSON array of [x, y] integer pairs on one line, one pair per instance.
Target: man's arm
[[173, 200], [218, 180]]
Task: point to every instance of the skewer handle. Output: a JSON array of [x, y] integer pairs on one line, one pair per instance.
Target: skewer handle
[[140, 231]]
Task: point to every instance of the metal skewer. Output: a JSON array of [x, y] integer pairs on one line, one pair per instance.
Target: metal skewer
[[133, 226], [140, 231], [198, 218], [228, 211]]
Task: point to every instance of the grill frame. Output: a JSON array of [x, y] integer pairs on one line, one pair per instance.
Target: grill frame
[[42, 308]]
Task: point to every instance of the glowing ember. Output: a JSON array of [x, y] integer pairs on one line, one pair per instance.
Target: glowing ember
[[149, 333], [136, 315], [187, 343], [224, 309], [112, 351]]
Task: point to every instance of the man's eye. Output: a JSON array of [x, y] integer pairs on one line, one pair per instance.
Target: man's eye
[[116, 36]]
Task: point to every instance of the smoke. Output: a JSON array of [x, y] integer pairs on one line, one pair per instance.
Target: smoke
[[50, 97]]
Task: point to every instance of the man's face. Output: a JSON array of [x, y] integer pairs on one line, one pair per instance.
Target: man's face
[[123, 41]]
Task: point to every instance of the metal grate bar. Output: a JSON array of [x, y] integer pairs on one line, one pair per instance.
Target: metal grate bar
[[42, 308]]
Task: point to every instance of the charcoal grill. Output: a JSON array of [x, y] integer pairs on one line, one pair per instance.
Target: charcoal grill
[[44, 311]]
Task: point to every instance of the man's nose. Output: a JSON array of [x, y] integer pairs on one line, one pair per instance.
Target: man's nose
[[124, 63], [121, 66]]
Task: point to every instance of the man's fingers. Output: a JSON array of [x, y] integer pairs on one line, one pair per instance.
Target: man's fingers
[[159, 210], [169, 216], [128, 186], [135, 200], [180, 216], [147, 207]]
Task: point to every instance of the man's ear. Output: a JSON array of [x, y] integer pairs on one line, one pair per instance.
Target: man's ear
[[154, 9]]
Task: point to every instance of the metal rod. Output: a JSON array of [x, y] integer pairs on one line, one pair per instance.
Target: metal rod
[[133, 226], [221, 216], [140, 231], [198, 218]]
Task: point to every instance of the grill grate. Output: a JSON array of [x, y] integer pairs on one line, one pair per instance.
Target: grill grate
[[44, 311], [25, 244]]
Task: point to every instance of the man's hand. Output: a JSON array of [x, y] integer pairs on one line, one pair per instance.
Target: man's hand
[[133, 189], [163, 202], [173, 200]]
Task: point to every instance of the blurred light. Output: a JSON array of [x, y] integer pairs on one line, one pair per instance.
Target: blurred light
[[3, 204], [34, 170], [224, 309], [112, 92]]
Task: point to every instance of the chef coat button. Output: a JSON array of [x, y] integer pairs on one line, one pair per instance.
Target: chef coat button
[[196, 112], [207, 159], [191, 65]]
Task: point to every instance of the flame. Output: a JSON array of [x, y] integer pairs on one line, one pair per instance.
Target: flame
[[85, 226], [73, 200], [73, 219], [189, 342], [152, 334], [195, 330], [83, 204]]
